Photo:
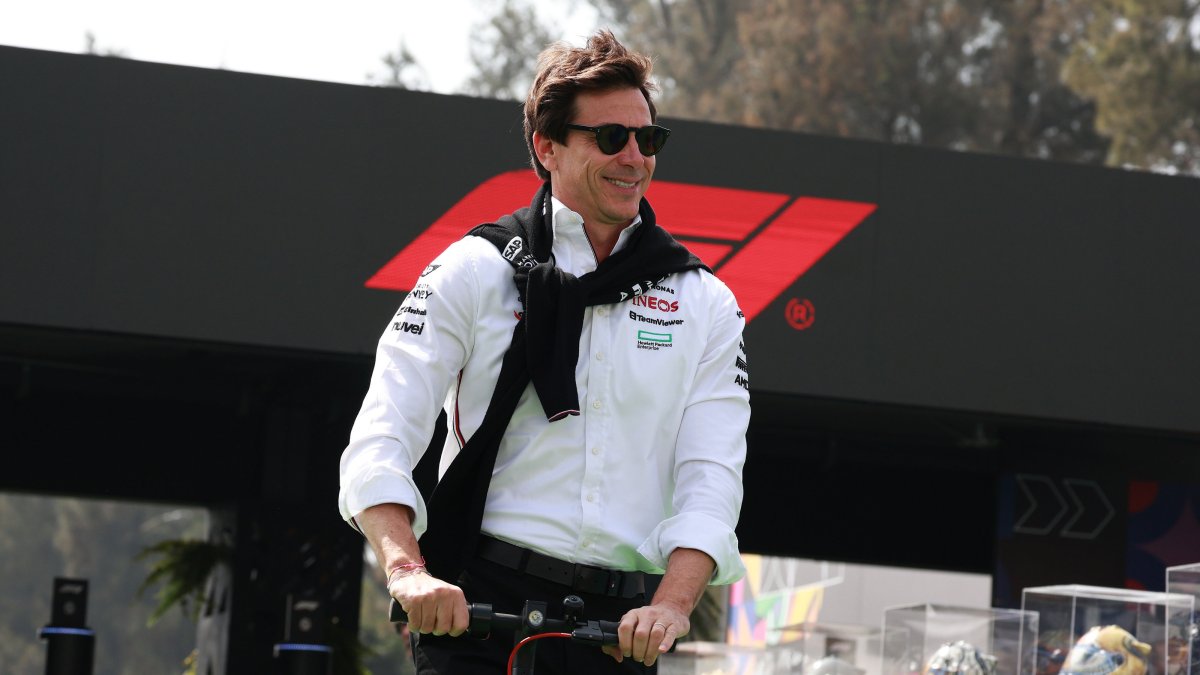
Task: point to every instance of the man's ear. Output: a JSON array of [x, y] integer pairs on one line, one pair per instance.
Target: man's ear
[[545, 149]]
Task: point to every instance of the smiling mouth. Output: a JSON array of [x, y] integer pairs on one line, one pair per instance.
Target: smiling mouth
[[621, 183]]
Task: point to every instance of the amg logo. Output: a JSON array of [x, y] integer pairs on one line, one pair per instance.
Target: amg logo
[[743, 382], [406, 327]]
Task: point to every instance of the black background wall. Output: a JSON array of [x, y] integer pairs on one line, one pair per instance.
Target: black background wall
[[1000, 376]]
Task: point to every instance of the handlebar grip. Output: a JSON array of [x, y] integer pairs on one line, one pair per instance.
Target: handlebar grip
[[396, 613], [598, 633], [481, 615], [609, 629]]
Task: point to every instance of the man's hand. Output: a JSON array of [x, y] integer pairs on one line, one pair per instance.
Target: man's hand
[[432, 605], [647, 632]]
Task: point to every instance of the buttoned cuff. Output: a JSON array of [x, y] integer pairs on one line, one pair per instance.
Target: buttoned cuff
[[703, 533], [381, 486]]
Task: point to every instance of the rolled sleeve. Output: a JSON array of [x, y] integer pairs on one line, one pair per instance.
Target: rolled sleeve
[[711, 452], [703, 533], [418, 357], [379, 474]]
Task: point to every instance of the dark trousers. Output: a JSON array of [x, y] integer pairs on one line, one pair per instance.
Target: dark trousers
[[507, 590]]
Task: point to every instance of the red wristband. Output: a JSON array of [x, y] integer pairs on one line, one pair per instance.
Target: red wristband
[[406, 569]]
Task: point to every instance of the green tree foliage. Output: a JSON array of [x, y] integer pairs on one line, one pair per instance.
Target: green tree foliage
[[43, 537], [1140, 61], [507, 49], [1076, 80], [970, 74], [386, 644], [180, 569], [401, 70], [91, 47]]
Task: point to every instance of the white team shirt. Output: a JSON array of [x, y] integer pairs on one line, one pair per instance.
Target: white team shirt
[[652, 463]]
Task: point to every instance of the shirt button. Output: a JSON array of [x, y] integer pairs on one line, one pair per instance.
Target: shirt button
[[601, 311], [586, 543], [597, 405], [599, 356], [595, 451], [591, 497]]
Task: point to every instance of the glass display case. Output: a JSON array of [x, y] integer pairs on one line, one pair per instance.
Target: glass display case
[[840, 649], [1185, 580], [805, 649], [1157, 623], [719, 658], [945, 640]]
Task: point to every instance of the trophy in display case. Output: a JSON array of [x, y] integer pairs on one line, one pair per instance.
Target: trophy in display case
[[947, 640], [1069, 614], [1107, 650]]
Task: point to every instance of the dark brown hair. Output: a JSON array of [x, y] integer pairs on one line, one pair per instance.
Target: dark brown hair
[[564, 71]]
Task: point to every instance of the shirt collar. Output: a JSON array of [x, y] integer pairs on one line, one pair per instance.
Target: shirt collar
[[569, 225]]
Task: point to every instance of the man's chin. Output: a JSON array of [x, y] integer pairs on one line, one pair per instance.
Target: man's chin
[[624, 217], [627, 209]]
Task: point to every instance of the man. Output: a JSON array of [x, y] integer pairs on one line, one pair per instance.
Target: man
[[622, 461]]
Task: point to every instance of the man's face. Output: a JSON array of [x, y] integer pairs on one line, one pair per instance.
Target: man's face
[[605, 189]]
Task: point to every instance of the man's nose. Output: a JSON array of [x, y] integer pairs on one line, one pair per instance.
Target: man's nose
[[630, 154]]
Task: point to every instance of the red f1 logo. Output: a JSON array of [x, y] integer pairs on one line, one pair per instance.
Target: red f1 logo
[[758, 243]]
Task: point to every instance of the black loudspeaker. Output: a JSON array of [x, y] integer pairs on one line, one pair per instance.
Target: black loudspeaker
[[70, 644], [69, 604], [305, 621], [302, 651]]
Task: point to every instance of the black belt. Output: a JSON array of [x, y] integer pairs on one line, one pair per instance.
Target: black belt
[[578, 577]]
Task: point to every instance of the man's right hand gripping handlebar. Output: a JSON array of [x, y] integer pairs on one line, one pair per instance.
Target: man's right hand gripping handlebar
[[429, 604]]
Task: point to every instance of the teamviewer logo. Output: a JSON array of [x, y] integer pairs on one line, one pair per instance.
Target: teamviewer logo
[[758, 243]]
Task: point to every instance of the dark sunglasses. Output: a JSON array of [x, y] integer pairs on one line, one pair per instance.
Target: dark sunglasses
[[611, 138]]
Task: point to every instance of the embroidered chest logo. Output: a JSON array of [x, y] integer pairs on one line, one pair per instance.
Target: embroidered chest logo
[[655, 303], [654, 321], [742, 378], [411, 317], [512, 253], [514, 247], [653, 341]]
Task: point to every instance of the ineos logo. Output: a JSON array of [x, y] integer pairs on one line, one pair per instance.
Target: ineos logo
[[799, 313], [656, 303]]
